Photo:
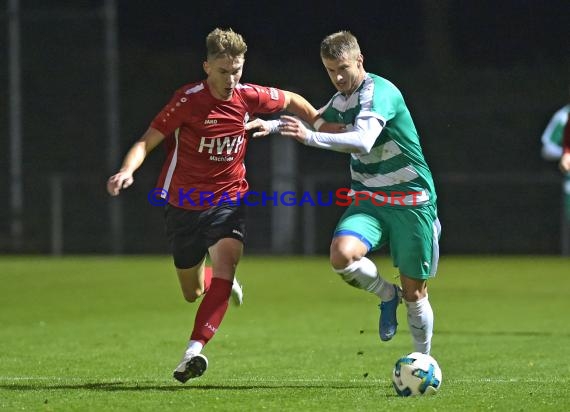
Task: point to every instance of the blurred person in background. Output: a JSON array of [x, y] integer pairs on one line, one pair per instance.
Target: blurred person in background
[[553, 134], [564, 165], [555, 148]]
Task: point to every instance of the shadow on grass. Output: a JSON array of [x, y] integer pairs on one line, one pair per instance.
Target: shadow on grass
[[501, 333], [133, 387]]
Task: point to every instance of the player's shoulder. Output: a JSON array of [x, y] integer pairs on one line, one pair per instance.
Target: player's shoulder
[[191, 89], [254, 90], [375, 85], [564, 109], [561, 115], [379, 82]]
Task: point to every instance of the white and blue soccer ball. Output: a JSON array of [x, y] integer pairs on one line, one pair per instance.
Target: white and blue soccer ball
[[416, 374]]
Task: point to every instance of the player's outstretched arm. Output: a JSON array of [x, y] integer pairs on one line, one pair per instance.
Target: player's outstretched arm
[[134, 158], [356, 139], [293, 127]]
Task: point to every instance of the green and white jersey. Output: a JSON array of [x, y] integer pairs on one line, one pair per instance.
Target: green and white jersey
[[553, 134], [395, 168]]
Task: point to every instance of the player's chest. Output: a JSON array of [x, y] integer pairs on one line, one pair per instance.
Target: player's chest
[[218, 121], [345, 115], [218, 130], [343, 109]]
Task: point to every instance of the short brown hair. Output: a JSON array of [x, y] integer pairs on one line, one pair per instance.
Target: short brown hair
[[340, 44], [226, 42]]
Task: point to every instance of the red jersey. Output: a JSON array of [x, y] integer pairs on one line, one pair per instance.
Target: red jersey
[[206, 142]]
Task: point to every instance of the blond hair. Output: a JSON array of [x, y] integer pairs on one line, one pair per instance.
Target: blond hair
[[225, 43], [340, 44]]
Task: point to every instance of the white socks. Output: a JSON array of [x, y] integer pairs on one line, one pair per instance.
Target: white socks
[[194, 347], [363, 274], [420, 320]]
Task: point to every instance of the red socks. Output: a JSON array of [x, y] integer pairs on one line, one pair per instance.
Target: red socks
[[211, 310]]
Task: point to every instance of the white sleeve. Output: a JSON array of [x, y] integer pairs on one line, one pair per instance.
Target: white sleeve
[[358, 139], [551, 150]]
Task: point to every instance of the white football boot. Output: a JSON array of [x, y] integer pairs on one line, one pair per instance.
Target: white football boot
[[237, 293]]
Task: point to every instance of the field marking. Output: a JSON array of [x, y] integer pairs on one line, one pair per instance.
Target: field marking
[[119, 380]]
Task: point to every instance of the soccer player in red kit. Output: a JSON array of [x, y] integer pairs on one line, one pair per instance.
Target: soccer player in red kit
[[203, 177]]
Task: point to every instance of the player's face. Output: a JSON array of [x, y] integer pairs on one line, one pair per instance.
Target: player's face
[[345, 73], [223, 75]]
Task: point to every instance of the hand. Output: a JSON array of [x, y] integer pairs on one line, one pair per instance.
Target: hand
[[565, 163], [263, 127], [119, 181], [293, 127]]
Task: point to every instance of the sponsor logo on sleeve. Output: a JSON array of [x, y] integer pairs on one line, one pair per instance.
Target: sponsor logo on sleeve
[[273, 93]]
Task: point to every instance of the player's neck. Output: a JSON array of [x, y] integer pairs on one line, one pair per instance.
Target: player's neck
[[357, 84]]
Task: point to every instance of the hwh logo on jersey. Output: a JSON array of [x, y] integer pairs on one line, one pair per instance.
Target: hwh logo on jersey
[[231, 144]]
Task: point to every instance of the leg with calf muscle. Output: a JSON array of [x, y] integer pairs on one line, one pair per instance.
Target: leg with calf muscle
[[193, 281], [347, 259], [420, 313], [347, 256], [225, 255]]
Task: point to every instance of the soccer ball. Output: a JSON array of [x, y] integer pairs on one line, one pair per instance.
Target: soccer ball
[[416, 374]]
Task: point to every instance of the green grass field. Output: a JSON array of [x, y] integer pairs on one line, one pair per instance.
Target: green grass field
[[105, 333]]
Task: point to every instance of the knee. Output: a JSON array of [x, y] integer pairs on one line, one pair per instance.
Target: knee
[[339, 260], [413, 293], [342, 255], [192, 296]]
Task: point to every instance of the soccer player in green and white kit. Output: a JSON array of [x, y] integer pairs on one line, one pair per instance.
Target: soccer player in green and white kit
[[553, 148], [394, 199], [553, 134]]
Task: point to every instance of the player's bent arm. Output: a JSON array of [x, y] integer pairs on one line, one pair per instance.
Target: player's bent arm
[[294, 103], [358, 139], [142, 147], [551, 150], [299, 106], [133, 160]]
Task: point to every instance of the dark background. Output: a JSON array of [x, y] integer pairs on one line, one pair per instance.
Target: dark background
[[481, 78]]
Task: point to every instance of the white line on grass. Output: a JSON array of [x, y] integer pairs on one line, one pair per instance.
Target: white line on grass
[[273, 381]]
